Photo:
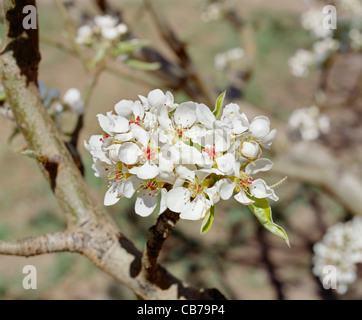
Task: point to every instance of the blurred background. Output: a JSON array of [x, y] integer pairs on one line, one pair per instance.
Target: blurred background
[[249, 54]]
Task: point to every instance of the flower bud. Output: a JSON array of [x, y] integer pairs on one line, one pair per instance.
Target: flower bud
[[249, 150]]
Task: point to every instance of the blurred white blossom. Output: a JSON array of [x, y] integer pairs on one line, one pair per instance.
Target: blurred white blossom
[[73, 99], [106, 27], [340, 247], [309, 122], [301, 63], [312, 20], [223, 60]]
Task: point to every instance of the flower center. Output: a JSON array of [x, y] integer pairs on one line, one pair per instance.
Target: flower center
[[148, 154], [136, 120], [195, 189], [210, 152], [243, 182]]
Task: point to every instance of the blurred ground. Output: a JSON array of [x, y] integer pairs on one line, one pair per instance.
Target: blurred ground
[[229, 257]]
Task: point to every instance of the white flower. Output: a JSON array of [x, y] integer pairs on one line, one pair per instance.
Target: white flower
[[260, 130], [312, 20], [84, 34], [193, 201], [74, 100], [323, 49], [301, 63], [246, 186], [309, 123], [341, 248]]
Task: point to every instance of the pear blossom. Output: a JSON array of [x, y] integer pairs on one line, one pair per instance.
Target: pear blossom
[[341, 248], [106, 27], [309, 122], [179, 156]]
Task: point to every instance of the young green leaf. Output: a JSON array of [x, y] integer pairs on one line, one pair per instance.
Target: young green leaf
[[207, 222], [141, 65], [219, 105], [262, 211], [127, 47]]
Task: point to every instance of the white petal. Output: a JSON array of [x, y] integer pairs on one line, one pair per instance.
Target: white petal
[[242, 198], [128, 153], [189, 155], [131, 185], [106, 124], [195, 210], [240, 124], [121, 124], [111, 196], [226, 188], [163, 118], [268, 139], [186, 172], [259, 127], [185, 114], [222, 140], [213, 194], [177, 199], [163, 205], [138, 110], [262, 164], [259, 189], [205, 116], [140, 134], [226, 163], [156, 98], [147, 171], [124, 136], [250, 149], [146, 202], [124, 108]]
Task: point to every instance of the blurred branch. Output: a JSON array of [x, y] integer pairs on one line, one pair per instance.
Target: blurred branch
[[193, 78], [269, 264]]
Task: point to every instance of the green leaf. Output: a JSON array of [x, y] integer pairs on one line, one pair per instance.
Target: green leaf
[[219, 105], [141, 65], [126, 47], [262, 211], [207, 222]]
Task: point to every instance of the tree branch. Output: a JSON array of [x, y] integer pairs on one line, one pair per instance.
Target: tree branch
[[93, 232], [31, 246], [156, 236]]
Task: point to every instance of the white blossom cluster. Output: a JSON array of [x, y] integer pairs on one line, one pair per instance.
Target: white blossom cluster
[[304, 60], [106, 27], [309, 122], [224, 59], [180, 156], [341, 247], [214, 9], [327, 40], [71, 100]]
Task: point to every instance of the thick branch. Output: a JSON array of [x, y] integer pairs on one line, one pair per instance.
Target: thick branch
[[94, 234], [156, 236]]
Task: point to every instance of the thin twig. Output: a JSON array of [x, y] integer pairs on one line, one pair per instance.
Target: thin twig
[[49, 243]]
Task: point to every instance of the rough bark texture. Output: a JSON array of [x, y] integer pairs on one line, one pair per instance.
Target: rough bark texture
[[90, 231]]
